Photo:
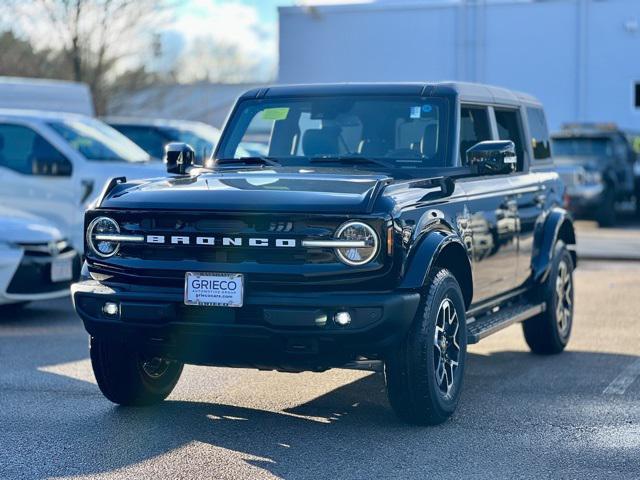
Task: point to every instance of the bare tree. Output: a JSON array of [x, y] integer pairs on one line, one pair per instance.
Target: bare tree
[[216, 61], [98, 39]]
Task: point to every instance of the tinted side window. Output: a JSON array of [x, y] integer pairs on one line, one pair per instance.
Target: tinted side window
[[508, 122], [26, 152], [539, 133], [147, 138], [474, 128]]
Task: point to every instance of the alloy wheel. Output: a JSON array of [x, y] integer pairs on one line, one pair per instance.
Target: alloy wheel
[[155, 367], [446, 345], [564, 298]]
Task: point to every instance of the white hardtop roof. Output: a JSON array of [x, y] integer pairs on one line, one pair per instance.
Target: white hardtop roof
[[43, 115]]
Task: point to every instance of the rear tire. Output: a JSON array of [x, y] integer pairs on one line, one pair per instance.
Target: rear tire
[[606, 214], [127, 378], [549, 332], [424, 373]]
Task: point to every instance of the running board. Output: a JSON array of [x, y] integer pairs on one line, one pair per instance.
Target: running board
[[493, 322]]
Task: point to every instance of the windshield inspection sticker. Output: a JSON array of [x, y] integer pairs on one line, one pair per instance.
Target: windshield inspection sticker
[[279, 113], [426, 108], [414, 112]]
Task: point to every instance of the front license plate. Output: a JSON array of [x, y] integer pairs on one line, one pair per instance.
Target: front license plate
[[61, 270], [214, 289]]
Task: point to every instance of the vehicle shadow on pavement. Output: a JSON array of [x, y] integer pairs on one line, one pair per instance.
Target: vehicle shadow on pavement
[[349, 432]]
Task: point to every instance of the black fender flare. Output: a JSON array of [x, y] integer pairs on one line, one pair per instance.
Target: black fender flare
[[556, 224], [438, 247]]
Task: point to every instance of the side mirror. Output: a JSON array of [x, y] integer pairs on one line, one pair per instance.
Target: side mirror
[[178, 157], [493, 157]]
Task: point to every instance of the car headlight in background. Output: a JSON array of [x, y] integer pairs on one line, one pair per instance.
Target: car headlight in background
[[591, 177], [102, 235], [362, 235]]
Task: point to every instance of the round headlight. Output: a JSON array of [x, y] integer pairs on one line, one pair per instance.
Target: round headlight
[[361, 233], [98, 229]]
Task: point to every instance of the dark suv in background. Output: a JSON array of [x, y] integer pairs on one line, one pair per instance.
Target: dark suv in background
[[596, 162], [153, 134]]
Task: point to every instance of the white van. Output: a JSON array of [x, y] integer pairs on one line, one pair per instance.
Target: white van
[[45, 94], [54, 164]]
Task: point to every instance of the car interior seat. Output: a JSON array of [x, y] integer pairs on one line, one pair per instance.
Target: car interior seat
[[429, 141], [373, 147], [317, 142]]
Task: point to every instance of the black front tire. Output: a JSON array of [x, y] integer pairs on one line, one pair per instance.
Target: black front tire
[[127, 378], [549, 332], [423, 385]]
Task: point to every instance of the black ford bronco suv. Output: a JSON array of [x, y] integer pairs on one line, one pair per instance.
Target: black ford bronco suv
[[390, 225]]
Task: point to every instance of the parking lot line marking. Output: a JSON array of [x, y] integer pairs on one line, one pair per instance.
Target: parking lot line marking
[[620, 384]]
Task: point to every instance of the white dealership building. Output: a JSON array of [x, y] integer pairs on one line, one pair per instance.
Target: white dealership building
[[580, 57]]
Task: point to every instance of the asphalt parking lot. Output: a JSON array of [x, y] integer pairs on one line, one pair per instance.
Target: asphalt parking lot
[[576, 415]]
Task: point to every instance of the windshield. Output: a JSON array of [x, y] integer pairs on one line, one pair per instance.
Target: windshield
[[401, 132], [583, 147], [97, 141]]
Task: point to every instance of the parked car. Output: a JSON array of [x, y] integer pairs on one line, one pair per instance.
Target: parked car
[[390, 224], [54, 164], [153, 135], [36, 261], [45, 94], [596, 162], [634, 141]]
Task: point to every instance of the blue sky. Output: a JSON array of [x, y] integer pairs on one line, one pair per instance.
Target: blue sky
[[251, 25]]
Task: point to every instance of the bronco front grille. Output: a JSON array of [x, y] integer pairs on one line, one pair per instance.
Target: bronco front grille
[[267, 266]]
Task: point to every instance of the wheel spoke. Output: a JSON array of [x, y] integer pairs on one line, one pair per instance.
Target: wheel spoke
[[440, 372], [455, 337]]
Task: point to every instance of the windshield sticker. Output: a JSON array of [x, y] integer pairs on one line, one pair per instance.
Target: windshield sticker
[[414, 112], [426, 108], [279, 113]]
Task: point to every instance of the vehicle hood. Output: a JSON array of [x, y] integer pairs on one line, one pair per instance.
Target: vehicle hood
[[259, 190], [21, 227]]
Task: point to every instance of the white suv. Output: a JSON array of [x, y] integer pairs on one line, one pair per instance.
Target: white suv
[[54, 164]]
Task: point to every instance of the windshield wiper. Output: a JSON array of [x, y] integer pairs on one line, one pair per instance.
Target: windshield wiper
[[249, 161], [353, 161]]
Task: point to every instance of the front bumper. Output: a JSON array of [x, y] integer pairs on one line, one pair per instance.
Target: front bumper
[[272, 330], [26, 277]]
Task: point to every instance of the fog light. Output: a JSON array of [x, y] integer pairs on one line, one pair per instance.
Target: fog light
[[111, 309], [321, 320], [342, 318]]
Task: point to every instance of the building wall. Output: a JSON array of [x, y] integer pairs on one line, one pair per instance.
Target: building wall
[[580, 57]]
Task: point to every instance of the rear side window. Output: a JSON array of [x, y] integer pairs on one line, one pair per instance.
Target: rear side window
[[509, 128], [539, 134], [474, 128]]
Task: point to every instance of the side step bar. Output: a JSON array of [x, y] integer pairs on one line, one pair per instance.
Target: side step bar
[[492, 322]]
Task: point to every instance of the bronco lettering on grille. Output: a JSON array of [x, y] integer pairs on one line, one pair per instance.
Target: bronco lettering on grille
[[224, 241]]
